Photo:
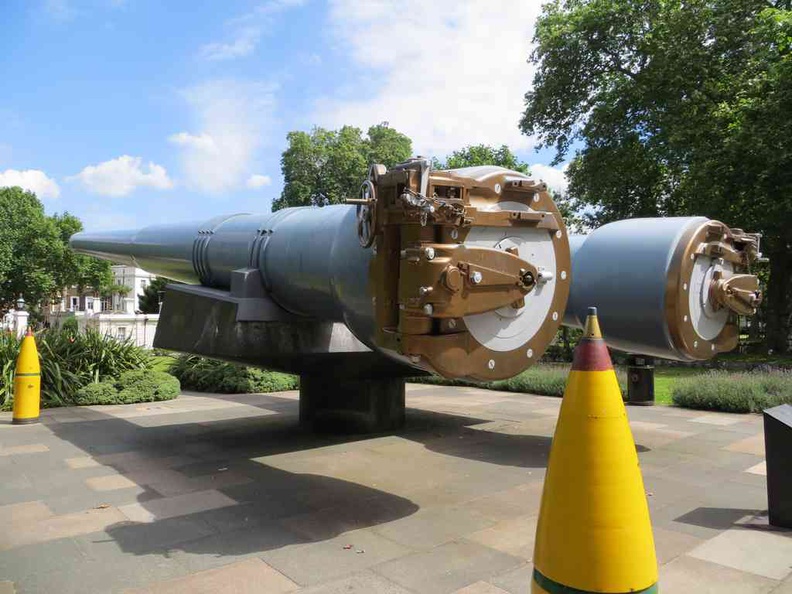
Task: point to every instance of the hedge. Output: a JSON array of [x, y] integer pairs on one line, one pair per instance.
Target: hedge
[[734, 392], [208, 375], [543, 379], [129, 388]]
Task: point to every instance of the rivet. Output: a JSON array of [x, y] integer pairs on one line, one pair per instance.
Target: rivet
[[491, 364], [684, 287], [529, 352], [558, 233], [695, 344], [428, 309], [497, 188], [430, 253], [563, 275], [685, 319], [454, 234], [713, 347], [536, 197], [476, 277], [452, 323], [555, 316]]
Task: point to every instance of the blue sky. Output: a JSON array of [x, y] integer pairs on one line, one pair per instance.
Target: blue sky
[[130, 112]]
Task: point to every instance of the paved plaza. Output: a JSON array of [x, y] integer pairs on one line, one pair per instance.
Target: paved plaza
[[216, 494]]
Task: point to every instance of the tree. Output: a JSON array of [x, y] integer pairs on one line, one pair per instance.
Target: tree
[[79, 270], [481, 154], [327, 166], [35, 259], [149, 301], [679, 108]]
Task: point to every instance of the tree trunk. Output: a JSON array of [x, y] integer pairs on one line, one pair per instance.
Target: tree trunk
[[779, 296]]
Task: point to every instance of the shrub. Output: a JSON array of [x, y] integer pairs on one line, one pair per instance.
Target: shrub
[[97, 393], [208, 375], [147, 386], [543, 379], [734, 392], [130, 387], [69, 361]]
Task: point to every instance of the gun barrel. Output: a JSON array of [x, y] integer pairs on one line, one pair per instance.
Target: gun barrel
[[655, 284]]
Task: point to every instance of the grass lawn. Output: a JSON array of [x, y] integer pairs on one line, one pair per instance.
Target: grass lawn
[[665, 377]]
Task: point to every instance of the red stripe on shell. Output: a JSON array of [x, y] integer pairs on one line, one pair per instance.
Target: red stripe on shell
[[591, 354]]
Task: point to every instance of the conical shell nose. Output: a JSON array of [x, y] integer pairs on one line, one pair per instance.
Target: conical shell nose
[[592, 328]]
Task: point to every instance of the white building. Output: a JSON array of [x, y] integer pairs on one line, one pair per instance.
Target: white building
[[117, 315], [137, 280]]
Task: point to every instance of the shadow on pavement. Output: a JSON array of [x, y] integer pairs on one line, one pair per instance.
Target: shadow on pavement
[[256, 506], [719, 518]]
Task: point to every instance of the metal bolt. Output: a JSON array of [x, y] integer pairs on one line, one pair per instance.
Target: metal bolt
[[555, 316], [424, 291], [491, 364], [476, 277], [428, 309], [563, 275], [545, 275], [454, 234], [415, 358], [497, 188], [452, 323], [430, 253], [529, 352]]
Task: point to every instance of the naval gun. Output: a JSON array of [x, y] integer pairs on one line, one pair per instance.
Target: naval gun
[[465, 273]]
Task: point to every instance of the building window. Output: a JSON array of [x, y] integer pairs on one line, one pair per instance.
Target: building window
[[74, 303], [121, 333], [143, 283]]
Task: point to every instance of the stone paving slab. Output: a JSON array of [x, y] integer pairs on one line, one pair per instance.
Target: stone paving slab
[[227, 493]]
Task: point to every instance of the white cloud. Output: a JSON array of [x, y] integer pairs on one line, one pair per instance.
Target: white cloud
[[257, 181], [247, 31], [232, 117], [243, 44], [202, 142], [121, 176], [34, 180], [446, 73], [554, 178]]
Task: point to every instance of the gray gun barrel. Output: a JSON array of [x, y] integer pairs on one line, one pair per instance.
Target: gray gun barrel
[[662, 285], [459, 272], [310, 261]]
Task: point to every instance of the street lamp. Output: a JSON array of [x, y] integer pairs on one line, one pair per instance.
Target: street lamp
[[20, 303]]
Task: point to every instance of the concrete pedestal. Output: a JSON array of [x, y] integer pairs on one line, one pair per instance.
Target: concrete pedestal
[[351, 405]]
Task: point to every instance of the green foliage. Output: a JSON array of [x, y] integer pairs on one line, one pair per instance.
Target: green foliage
[[35, 260], [681, 108], [146, 386], [328, 166], [91, 355], [481, 154], [70, 361], [208, 375], [149, 301], [97, 393], [543, 379], [734, 392], [129, 388]]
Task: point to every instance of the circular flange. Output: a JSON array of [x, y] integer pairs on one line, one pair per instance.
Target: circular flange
[[507, 334], [697, 329]]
